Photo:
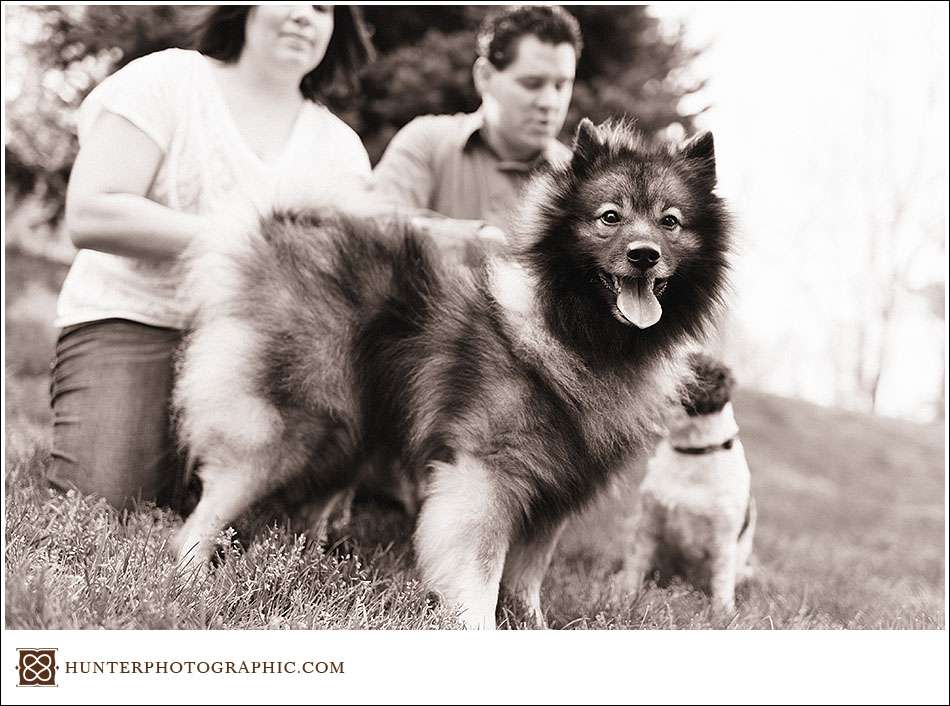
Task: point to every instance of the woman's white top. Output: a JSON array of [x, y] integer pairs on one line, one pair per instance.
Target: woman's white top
[[173, 97]]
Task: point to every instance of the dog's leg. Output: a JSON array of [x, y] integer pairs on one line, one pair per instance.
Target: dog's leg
[[227, 491], [225, 424], [744, 567], [462, 538], [637, 565], [525, 567], [722, 582], [639, 561]]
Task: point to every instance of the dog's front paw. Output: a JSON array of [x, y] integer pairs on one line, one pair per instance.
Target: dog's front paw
[[724, 607], [192, 554]]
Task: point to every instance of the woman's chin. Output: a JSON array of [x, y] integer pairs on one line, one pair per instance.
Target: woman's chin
[[305, 61]]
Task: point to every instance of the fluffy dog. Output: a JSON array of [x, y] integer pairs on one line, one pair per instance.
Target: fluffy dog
[[696, 513], [324, 343]]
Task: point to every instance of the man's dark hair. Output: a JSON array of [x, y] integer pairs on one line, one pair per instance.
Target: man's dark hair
[[500, 31], [220, 35]]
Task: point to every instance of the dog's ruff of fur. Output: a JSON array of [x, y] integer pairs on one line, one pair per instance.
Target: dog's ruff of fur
[[323, 343]]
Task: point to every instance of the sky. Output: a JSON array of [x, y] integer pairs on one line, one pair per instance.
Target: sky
[[831, 129]]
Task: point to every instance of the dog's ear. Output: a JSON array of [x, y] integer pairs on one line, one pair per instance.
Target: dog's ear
[[700, 153], [587, 142]]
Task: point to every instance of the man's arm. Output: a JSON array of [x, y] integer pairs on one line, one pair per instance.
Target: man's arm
[[405, 179], [465, 240], [405, 176]]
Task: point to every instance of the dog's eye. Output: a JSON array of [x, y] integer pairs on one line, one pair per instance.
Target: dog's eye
[[669, 221], [610, 218]]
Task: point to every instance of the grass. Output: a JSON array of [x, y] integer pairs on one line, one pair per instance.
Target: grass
[[851, 533]]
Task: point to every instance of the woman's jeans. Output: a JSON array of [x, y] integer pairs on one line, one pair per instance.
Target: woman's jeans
[[111, 390]]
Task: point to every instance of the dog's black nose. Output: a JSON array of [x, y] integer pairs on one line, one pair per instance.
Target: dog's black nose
[[643, 257]]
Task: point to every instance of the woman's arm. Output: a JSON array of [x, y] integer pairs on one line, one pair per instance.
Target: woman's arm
[[106, 207]]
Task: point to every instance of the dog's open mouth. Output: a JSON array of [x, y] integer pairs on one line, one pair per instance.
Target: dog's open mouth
[[637, 297]]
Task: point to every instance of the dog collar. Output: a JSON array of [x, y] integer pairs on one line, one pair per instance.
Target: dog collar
[[700, 450]]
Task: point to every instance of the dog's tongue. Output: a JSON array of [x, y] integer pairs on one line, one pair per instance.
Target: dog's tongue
[[638, 303]]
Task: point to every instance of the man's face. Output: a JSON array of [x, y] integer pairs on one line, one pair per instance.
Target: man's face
[[525, 104]]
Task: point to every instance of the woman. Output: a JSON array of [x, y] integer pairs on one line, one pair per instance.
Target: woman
[[167, 144]]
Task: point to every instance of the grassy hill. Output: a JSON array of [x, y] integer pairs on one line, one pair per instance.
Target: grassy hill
[[850, 535]]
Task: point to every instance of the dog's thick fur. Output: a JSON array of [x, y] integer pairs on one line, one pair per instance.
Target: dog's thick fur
[[324, 343]]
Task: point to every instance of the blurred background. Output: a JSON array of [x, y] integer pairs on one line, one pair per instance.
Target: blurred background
[[831, 131]]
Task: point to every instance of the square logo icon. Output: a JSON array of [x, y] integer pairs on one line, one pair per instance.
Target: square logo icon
[[37, 667]]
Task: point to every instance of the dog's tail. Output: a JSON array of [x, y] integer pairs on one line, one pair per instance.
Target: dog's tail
[[208, 267]]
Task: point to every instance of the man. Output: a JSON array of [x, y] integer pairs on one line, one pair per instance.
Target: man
[[470, 168]]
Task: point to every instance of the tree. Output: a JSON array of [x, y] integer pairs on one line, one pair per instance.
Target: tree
[[65, 50], [901, 182]]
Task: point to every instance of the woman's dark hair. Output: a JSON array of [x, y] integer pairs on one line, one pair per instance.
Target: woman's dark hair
[[220, 35]]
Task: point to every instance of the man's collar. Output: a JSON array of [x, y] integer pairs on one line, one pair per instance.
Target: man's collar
[[472, 124], [471, 134]]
